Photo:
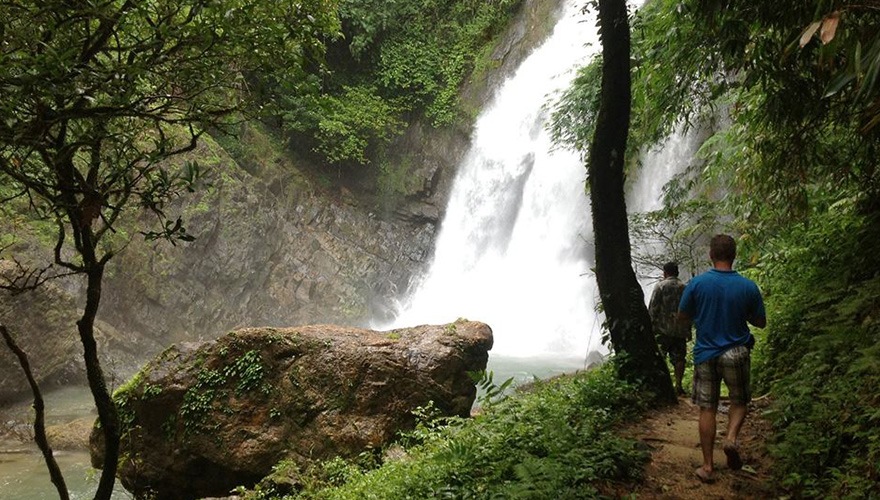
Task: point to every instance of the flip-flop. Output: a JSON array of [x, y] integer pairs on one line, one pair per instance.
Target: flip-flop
[[734, 461], [703, 476]]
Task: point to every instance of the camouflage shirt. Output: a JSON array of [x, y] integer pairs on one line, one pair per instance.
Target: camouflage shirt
[[664, 309]]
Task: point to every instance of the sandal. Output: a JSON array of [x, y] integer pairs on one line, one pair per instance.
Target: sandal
[[734, 461], [703, 476]]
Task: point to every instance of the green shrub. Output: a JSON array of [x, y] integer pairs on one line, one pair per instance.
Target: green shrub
[[821, 357], [354, 123], [556, 440], [398, 61]]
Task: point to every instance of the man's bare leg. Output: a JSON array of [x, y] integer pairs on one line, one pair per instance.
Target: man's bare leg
[[707, 440], [735, 418], [678, 368]]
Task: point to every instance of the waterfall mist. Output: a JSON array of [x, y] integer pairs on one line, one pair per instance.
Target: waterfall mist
[[660, 164]]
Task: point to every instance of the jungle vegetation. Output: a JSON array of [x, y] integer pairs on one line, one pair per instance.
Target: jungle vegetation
[[786, 96], [787, 93], [792, 168], [102, 101], [98, 98]]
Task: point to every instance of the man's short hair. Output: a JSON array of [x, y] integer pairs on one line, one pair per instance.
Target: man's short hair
[[670, 268], [722, 248]]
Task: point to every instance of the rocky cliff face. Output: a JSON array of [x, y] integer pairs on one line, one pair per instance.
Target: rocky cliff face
[[268, 258], [202, 419], [43, 323], [276, 248], [273, 250]]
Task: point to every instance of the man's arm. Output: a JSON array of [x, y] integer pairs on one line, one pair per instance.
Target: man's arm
[[758, 315], [759, 321], [654, 305]]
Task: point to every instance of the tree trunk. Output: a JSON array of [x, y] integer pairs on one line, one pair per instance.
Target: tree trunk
[[93, 267], [622, 297], [103, 402]]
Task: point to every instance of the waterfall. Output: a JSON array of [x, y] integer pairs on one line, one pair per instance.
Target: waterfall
[[511, 249], [514, 249], [660, 164]]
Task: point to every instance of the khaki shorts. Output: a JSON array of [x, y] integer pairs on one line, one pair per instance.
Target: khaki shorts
[[733, 366]]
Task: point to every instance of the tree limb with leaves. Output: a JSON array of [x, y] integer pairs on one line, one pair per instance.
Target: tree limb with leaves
[[99, 98]]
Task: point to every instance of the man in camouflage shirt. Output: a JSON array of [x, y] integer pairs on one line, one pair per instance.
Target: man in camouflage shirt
[[672, 333]]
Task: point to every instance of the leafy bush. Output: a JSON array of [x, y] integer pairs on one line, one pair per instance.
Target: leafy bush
[[398, 60], [354, 123], [821, 357], [556, 440]]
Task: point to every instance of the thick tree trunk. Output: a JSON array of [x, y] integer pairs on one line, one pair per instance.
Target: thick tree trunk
[[39, 417], [622, 297]]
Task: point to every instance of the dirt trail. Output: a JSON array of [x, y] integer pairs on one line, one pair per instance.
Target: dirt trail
[[671, 435]]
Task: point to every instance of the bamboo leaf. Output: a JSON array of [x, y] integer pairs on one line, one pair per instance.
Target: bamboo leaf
[[858, 60], [829, 27], [838, 83], [809, 32]]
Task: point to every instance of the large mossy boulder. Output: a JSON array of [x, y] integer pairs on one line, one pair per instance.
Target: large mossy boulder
[[201, 419]]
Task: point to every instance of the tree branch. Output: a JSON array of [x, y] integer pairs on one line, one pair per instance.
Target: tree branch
[[25, 279], [39, 417]]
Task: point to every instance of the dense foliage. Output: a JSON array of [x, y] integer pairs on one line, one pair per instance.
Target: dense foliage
[[97, 100], [821, 358], [397, 61], [787, 94], [554, 440], [96, 97]]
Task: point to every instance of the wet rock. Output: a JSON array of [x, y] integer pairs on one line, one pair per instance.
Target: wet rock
[[43, 324], [201, 419], [70, 436]]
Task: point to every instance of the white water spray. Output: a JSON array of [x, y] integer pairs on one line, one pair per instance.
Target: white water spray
[[511, 250], [660, 164]]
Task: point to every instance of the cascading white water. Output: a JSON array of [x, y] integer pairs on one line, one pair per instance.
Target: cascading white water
[[645, 194], [511, 250], [660, 164]]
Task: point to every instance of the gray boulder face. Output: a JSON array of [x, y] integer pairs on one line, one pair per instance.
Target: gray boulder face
[[201, 419], [43, 324]]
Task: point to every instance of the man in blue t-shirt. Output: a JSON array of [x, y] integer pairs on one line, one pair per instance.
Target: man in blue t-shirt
[[721, 302]]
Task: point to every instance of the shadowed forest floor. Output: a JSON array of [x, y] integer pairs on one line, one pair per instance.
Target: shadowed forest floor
[[671, 436]]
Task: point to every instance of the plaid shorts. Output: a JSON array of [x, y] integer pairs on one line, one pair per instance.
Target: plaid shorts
[[733, 367]]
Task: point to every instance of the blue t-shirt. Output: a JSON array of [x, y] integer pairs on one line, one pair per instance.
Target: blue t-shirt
[[720, 302]]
